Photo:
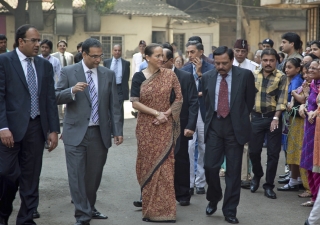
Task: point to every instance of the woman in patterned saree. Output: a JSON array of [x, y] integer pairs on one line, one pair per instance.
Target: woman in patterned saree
[[157, 130]]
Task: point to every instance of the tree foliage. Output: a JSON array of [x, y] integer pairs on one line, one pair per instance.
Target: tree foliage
[[102, 6]]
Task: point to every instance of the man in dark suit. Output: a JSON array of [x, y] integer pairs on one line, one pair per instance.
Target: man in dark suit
[[28, 111], [121, 69], [188, 121], [90, 92], [228, 93], [197, 67]]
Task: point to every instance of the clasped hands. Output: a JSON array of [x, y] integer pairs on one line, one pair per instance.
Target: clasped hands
[[162, 118]]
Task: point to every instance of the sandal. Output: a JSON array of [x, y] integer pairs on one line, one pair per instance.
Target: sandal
[[308, 204], [222, 173], [305, 195]]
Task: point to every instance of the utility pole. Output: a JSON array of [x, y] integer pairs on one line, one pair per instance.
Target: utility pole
[[239, 19]]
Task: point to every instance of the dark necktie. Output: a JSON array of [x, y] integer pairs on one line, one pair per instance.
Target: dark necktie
[[33, 89], [64, 60], [223, 100]]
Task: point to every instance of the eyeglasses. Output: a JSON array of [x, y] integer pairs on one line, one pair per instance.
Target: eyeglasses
[[178, 61], [164, 62], [33, 40], [95, 56]]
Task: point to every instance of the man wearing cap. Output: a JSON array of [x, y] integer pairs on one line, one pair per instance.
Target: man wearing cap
[[240, 60], [267, 43], [240, 56]]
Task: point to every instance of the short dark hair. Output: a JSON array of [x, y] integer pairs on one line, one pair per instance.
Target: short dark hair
[[167, 46], [195, 38], [296, 62], [64, 41], [222, 50], [3, 37], [78, 57], [47, 42], [269, 51], [148, 51], [79, 45], [293, 37], [198, 45], [313, 56], [90, 42], [315, 43], [281, 54], [21, 32]]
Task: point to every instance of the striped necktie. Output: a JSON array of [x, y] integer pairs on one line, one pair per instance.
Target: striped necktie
[[33, 89], [94, 98]]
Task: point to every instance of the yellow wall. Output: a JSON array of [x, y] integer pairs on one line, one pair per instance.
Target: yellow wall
[[206, 31]]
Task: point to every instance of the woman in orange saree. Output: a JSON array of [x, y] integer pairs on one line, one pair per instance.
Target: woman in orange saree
[[157, 130]]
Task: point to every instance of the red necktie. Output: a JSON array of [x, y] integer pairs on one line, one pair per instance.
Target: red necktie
[[223, 100]]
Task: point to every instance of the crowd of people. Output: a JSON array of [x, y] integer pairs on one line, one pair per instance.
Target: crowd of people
[[197, 121]]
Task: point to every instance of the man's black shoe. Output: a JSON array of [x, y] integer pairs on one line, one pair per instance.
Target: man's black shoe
[[211, 208], [137, 203], [231, 219], [287, 187], [245, 184], [184, 203], [269, 193], [35, 214], [98, 215], [255, 182]]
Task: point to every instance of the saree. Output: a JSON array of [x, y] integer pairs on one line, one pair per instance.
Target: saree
[[155, 158]]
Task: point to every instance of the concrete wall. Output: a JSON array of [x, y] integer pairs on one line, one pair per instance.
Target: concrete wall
[[208, 32]]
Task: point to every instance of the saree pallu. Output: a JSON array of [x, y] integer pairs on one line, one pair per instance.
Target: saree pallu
[[155, 159], [316, 150]]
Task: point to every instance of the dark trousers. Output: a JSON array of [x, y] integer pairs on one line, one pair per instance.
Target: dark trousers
[[220, 142], [260, 128], [20, 166], [121, 99], [182, 170]]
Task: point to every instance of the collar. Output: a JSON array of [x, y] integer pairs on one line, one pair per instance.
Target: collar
[[85, 68], [21, 55], [229, 73], [274, 73], [48, 57], [113, 58], [173, 67]]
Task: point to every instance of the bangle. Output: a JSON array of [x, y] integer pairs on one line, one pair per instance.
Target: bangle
[[275, 118], [157, 113]]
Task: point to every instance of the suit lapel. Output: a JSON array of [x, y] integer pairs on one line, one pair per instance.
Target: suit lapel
[[39, 68], [109, 63], [234, 85], [81, 77], [101, 82], [123, 67], [18, 67], [212, 81]]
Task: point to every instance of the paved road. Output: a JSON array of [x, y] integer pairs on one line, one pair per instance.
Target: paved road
[[119, 188]]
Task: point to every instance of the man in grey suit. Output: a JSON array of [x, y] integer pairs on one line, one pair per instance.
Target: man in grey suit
[[90, 93], [121, 69]]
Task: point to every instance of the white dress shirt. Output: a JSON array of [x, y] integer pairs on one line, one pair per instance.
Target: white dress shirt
[[119, 71], [246, 64], [136, 61], [94, 76], [55, 64], [24, 64]]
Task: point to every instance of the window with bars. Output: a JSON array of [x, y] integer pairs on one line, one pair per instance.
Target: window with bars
[[107, 43], [47, 36], [179, 39]]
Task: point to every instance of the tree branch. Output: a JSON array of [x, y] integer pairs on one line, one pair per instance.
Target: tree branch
[[7, 6]]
